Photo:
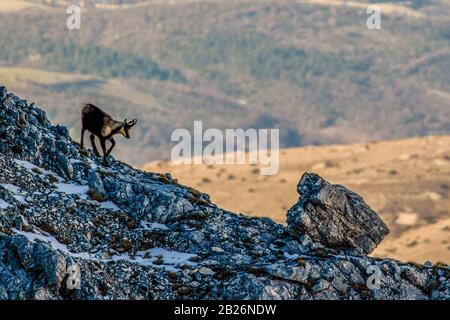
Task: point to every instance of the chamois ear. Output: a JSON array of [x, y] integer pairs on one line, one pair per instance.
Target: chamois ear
[[132, 122]]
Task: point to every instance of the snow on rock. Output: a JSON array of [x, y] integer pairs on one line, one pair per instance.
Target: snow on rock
[[72, 189], [153, 225], [158, 258], [55, 244], [4, 204], [109, 205], [15, 192]]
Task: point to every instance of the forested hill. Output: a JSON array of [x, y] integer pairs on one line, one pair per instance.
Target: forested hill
[[310, 68]]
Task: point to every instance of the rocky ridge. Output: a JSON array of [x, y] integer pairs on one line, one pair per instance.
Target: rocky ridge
[[131, 234]]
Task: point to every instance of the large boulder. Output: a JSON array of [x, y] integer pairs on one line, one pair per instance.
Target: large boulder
[[335, 216]]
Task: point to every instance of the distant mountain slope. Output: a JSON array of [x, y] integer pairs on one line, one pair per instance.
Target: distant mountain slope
[[17, 5], [406, 181], [310, 69]]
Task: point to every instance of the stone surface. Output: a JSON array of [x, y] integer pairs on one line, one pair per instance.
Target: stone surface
[[335, 216], [139, 235]]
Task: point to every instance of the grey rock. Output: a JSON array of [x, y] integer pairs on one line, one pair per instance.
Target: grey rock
[[217, 249], [339, 283], [3, 93], [26, 267], [197, 237], [96, 188], [294, 273], [335, 216], [279, 290], [321, 285], [206, 271]]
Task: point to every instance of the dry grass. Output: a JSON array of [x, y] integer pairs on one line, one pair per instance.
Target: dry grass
[[429, 242], [386, 8], [17, 5], [420, 186], [21, 77]]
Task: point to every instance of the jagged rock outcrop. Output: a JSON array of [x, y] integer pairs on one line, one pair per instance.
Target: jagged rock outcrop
[[131, 234], [335, 216]]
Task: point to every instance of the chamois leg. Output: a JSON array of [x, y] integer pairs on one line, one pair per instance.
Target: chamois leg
[[113, 144], [83, 130], [94, 147], [103, 145]]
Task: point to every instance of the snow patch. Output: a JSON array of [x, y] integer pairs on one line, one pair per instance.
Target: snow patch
[[291, 256], [27, 165], [153, 225], [109, 205], [75, 161], [92, 164], [4, 204], [15, 191], [35, 169], [70, 189], [169, 259], [55, 244], [82, 192], [10, 187], [172, 257]]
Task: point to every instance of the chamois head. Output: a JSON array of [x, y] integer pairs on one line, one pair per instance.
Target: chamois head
[[127, 126]]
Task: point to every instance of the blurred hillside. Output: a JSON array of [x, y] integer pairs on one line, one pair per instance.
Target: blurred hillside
[[310, 68]]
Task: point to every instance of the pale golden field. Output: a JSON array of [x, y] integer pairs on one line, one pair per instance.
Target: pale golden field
[[18, 78], [386, 8], [16, 5], [407, 182]]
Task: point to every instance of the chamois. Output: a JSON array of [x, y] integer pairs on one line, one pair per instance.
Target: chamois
[[102, 125]]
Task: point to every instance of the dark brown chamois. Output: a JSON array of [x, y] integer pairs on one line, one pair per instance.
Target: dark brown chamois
[[102, 125]]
